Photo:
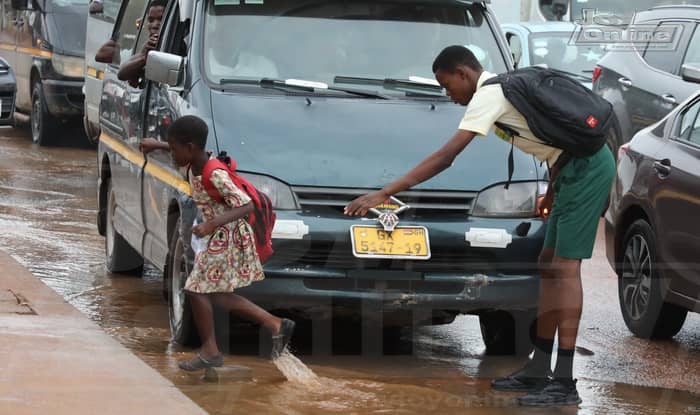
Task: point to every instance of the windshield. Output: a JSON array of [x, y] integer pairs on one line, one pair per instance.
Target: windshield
[[318, 41], [622, 8], [555, 50]]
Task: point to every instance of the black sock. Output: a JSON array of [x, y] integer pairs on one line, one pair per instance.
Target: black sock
[[541, 362], [565, 365]]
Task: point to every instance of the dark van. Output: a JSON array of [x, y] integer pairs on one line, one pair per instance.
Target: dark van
[[44, 43], [320, 102]]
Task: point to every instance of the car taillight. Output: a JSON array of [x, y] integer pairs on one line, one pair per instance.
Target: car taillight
[[622, 150], [596, 74]]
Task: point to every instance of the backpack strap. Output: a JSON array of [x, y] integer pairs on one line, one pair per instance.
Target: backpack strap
[[209, 167], [511, 155]]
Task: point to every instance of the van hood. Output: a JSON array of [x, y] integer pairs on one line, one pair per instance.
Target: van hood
[[66, 30], [354, 142]]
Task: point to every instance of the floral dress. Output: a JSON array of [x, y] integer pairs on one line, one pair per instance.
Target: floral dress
[[230, 260]]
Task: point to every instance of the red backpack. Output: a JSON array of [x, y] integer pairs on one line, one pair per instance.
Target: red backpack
[[262, 220]]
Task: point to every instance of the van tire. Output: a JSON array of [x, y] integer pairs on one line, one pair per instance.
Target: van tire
[[508, 333], [43, 124], [119, 255], [182, 327]]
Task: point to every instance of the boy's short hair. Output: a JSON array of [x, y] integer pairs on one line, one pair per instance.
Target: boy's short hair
[[158, 3], [189, 129], [453, 56]]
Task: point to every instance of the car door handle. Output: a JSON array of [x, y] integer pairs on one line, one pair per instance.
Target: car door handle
[[663, 167], [625, 82], [668, 98]]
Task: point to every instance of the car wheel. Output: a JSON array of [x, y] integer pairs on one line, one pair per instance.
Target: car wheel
[[92, 133], [42, 122], [507, 334], [640, 287], [119, 255], [182, 325]]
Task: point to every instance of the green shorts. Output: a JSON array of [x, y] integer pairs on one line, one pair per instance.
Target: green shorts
[[580, 192]]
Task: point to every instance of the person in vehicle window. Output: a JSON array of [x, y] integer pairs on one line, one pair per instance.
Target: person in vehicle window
[[579, 189], [229, 260], [133, 69]]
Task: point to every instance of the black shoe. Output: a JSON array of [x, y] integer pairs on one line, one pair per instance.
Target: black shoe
[[557, 392], [524, 380], [281, 340]]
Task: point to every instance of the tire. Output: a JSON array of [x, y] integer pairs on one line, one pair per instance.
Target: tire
[[507, 334], [43, 124], [641, 289], [182, 327], [119, 255]]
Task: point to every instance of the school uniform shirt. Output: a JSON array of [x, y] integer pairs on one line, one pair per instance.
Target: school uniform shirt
[[488, 106]]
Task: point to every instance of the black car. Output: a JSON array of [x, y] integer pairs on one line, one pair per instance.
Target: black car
[[652, 231], [44, 42], [642, 80]]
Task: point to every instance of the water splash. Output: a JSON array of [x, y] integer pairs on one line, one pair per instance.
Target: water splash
[[296, 371]]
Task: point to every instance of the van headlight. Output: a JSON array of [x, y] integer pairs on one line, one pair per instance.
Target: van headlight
[[69, 66], [280, 194], [519, 201]]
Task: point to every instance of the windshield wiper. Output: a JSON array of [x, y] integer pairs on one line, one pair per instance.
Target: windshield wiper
[[426, 87], [301, 85], [573, 74]]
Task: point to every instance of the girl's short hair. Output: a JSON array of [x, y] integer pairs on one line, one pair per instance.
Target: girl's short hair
[[189, 129]]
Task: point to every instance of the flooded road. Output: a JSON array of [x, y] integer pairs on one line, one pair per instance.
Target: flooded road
[[47, 217]]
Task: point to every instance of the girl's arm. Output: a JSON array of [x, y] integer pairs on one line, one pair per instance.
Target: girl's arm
[[149, 144], [231, 215]]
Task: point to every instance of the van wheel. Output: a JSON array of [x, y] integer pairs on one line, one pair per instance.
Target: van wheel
[[119, 255], [182, 326], [640, 288], [43, 124], [507, 333]]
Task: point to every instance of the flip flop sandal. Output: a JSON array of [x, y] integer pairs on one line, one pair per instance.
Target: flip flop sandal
[[281, 340], [199, 362]]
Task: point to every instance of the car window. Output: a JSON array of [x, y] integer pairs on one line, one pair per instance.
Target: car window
[[516, 47], [693, 53], [128, 28], [688, 122], [659, 56], [694, 136]]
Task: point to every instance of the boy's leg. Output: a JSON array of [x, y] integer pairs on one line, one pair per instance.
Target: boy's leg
[[204, 320], [248, 310], [569, 315], [537, 370]]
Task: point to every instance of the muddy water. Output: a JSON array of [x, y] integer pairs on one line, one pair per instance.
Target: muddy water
[[47, 216]]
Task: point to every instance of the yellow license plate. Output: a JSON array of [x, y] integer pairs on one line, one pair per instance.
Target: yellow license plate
[[405, 242]]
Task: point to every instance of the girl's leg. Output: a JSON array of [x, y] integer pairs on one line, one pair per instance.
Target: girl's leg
[[247, 309], [204, 320]]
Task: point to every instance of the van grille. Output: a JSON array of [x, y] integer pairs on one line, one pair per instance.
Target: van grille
[[421, 201]]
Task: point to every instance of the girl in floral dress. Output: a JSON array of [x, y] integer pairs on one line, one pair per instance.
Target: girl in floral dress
[[230, 260]]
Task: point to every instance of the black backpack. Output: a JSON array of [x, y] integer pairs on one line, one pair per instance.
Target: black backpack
[[559, 111]]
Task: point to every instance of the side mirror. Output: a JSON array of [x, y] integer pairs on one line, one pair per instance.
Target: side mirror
[[691, 72], [165, 68], [20, 4]]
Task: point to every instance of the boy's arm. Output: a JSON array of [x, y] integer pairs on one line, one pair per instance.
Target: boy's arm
[[426, 169], [233, 214]]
